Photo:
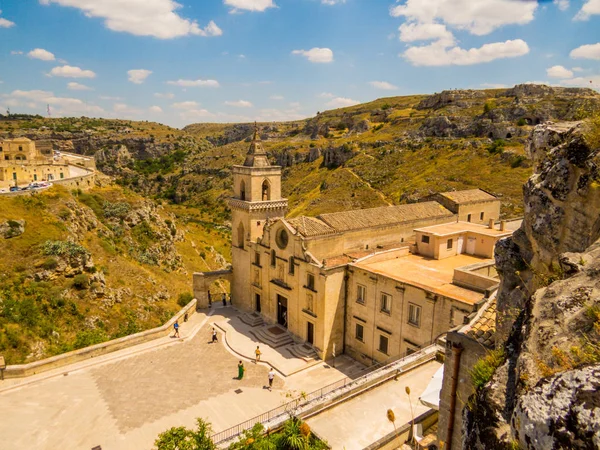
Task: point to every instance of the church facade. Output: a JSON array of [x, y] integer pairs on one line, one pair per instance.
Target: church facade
[[354, 282]]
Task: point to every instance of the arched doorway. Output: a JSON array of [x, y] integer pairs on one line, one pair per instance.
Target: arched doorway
[[266, 191], [219, 290], [217, 283]]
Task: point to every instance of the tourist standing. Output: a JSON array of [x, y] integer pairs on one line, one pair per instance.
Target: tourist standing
[[224, 298], [257, 353], [240, 370], [214, 336], [209, 300], [271, 377], [176, 328]]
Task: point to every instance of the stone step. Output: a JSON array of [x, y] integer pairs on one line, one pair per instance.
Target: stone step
[[304, 352], [272, 335], [253, 319]]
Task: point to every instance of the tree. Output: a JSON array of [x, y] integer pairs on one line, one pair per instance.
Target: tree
[[181, 438]]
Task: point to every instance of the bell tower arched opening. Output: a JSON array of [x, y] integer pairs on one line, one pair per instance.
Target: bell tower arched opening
[[243, 190], [240, 235], [266, 191]]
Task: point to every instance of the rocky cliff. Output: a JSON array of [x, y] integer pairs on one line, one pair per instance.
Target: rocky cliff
[[546, 395]]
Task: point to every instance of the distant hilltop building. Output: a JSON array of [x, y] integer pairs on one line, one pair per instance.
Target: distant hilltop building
[[23, 163], [374, 283]]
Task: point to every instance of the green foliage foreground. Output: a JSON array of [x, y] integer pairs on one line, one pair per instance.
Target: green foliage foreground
[[294, 435]]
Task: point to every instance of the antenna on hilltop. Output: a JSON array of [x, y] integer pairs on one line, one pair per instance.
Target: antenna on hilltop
[[48, 110]]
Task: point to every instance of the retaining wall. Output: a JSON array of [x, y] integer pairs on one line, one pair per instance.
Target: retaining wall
[[25, 370]]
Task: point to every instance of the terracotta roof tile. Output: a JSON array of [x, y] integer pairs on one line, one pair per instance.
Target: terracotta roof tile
[[484, 329], [310, 226]]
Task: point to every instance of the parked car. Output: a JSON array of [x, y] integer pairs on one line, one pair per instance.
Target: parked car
[[14, 188], [39, 185]]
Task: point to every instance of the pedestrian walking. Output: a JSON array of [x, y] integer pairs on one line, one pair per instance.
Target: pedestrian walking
[[241, 370], [271, 377], [257, 353], [176, 328], [214, 336], [209, 300], [224, 298]]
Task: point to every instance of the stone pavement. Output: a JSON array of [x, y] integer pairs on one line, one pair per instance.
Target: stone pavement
[[125, 399], [357, 423]]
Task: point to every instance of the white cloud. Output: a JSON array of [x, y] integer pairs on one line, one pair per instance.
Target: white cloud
[[316, 55], [278, 115], [476, 16], [589, 51], [157, 18], [384, 85], [276, 97], [326, 95], [185, 105], [107, 97], [295, 105], [194, 83], [40, 53], [124, 110], [239, 104], [155, 109], [590, 8], [138, 76], [61, 106], [559, 72], [16, 52], [563, 5], [195, 114], [333, 2], [577, 69], [438, 54], [592, 81], [78, 87], [71, 72], [167, 95], [5, 23], [249, 5], [340, 102], [410, 32]]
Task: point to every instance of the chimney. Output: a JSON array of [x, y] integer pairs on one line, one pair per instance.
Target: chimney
[[502, 225], [491, 224]]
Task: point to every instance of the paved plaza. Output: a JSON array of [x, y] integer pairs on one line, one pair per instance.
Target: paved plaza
[[125, 399]]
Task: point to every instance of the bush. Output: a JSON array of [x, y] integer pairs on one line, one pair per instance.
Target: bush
[[184, 298], [181, 438], [50, 264], [497, 147], [488, 106], [81, 281], [521, 122], [484, 369], [118, 210], [63, 248], [89, 337]]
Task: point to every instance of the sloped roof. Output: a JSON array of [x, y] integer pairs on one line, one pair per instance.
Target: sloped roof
[[468, 196], [384, 215], [256, 156], [484, 328], [310, 226]]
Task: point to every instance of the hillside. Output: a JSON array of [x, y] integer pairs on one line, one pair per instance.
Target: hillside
[[81, 268]]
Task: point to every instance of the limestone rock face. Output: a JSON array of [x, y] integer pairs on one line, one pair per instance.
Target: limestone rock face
[[546, 395], [12, 228], [540, 420]]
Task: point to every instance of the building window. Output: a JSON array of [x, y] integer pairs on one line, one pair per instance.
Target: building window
[[386, 303], [361, 294], [360, 332], [383, 344], [468, 217], [292, 268], [414, 315], [257, 258], [62, 175], [310, 281], [20, 148], [425, 239], [15, 176], [0, 148], [273, 258], [449, 244], [35, 177], [7, 158], [481, 216]]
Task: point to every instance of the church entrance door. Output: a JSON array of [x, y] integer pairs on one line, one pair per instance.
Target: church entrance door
[[282, 311], [310, 333], [257, 302]]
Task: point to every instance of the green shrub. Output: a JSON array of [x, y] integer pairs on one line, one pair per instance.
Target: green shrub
[[184, 298], [63, 248], [64, 214], [81, 281], [521, 122], [50, 264], [484, 369], [118, 210], [489, 106], [517, 160], [497, 147], [89, 337]]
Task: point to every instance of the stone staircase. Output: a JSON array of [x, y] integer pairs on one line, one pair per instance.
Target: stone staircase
[[253, 319], [304, 352], [272, 335]]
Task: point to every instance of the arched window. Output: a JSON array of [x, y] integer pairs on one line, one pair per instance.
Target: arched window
[[292, 268], [243, 190], [273, 258], [240, 236], [266, 191]]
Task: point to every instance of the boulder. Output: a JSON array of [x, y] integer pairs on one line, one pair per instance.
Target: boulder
[[12, 228]]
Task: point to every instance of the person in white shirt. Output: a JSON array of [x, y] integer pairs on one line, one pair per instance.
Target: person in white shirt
[[271, 377]]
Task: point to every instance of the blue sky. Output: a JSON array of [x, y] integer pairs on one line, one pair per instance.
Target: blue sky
[[241, 60]]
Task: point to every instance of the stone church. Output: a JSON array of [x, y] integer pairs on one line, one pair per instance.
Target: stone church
[[373, 283]]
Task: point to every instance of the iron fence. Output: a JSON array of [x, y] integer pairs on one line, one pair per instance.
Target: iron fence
[[292, 406]]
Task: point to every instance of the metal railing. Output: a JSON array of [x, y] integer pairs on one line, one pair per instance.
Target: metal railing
[[293, 406]]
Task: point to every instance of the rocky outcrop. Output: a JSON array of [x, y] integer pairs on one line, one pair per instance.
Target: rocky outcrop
[[12, 228], [548, 307], [337, 156], [457, 97]]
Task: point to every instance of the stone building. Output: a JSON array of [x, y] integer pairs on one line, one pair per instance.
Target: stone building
[[22, 162], [354, 281]]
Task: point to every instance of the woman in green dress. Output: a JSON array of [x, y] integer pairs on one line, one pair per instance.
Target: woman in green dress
[[240, 370]]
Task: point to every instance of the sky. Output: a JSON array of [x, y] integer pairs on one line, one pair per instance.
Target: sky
[[269, 60]]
